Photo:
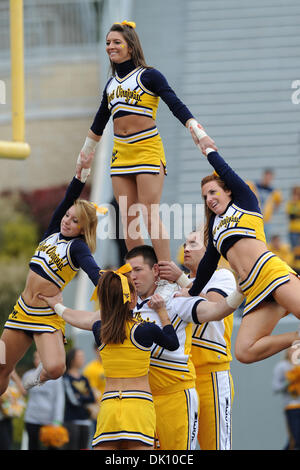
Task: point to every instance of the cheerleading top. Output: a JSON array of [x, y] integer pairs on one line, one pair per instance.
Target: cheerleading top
[[136, 90], [132, 357], [58, 258], [241, 219]]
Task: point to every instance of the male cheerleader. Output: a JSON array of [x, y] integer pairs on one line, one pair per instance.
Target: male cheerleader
[[172, 374], [211, 349]]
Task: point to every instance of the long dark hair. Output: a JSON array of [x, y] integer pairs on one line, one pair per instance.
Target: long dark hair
[[114, 313], [208, 212], [134, 44]]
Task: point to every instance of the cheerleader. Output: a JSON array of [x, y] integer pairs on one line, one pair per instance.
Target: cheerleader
[[235, 229], [66, 247], [138, 164], [126, 420]]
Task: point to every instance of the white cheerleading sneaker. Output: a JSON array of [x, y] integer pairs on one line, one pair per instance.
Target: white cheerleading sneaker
[[33, 379]]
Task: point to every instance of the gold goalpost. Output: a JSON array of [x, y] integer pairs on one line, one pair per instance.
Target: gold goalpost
[[17, 148]]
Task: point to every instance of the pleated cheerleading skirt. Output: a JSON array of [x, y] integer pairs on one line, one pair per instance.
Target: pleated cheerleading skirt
[[128, 415], [142, 152], [268, 273]]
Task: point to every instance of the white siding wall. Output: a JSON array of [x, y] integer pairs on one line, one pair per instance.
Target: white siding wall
[[233, 63]]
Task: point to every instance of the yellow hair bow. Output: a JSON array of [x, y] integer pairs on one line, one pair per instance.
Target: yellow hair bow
[[126, 268], [99, 209], [128, 23]]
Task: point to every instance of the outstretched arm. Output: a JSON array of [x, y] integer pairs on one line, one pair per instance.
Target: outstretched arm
[[216, 311], [82, 319], [241, 191], [201, 139]]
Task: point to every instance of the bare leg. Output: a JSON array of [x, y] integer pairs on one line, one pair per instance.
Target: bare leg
[[125, 186], [16, 344], [51, 350], [149, 189], [254, 341], [288, 296], [135, 445], [123, 445]]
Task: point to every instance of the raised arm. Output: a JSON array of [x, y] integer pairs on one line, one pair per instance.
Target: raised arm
[[240, 189], [170, 271], [73, 192], [206, 268]]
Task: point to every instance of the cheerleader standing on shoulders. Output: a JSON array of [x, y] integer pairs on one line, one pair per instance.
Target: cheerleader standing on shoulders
[[138, 164]]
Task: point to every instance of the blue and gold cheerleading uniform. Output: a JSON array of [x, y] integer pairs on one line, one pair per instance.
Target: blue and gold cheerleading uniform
[[211, 356], [241, 219], [136, 90], [57, 259], [172, 376], [130, 414]]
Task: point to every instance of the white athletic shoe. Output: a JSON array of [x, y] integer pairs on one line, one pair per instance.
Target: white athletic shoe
[[166, 289], [33, 379]]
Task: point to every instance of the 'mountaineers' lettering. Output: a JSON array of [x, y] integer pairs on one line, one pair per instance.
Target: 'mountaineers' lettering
[[127, 94], [226, 221], [110, 96], [51, 252]]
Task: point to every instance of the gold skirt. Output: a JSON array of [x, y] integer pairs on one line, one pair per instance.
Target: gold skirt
[[268, 273], [127, 415], [142, 152], [34, 319]]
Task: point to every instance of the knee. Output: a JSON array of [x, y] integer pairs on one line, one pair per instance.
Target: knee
[[243, 354], [54, 371]]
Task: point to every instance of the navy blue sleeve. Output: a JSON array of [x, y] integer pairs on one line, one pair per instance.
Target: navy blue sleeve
[[156, 82], [102, 115], [218, 291], [206, 267], [73, 192], [83, 258], [96, 332], [241, 192], [148, 333]]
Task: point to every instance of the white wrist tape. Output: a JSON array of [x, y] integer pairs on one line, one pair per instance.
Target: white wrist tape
[[85, 172], [183, 280], [208, 150], [234, 299], [200, 133], [59, 309], [89, 145]]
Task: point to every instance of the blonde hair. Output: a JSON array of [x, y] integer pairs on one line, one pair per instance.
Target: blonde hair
[[87, 217]]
